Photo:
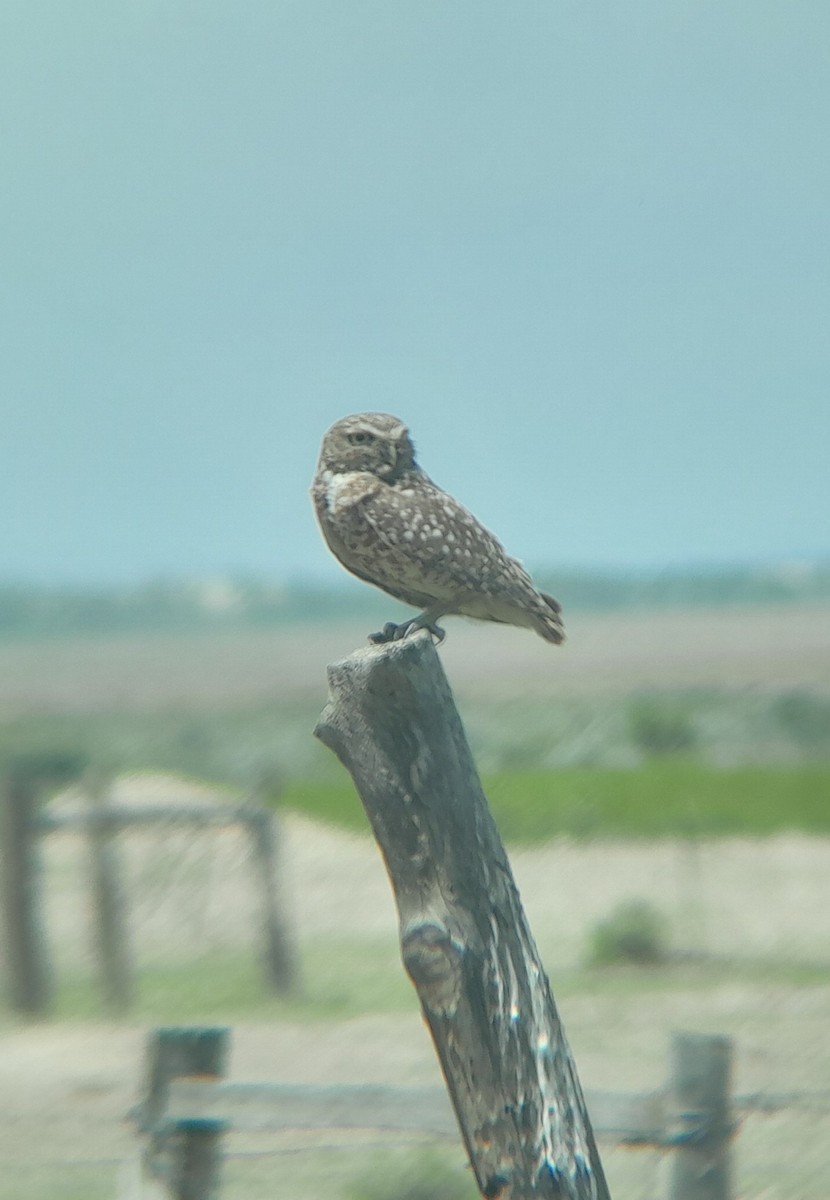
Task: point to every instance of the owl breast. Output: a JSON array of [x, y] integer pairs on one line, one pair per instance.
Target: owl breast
[[383, 535]]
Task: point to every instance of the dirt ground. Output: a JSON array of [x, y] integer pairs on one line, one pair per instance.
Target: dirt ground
[[65, 1086], [769, 648]]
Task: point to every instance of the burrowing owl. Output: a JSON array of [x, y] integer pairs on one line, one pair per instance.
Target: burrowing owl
[[388, 523]]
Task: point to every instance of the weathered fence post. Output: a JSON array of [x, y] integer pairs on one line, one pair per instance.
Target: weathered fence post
[[278, 954], [700, 1115], [465, 941], [183, 1156], [30, 977], [108, 903]]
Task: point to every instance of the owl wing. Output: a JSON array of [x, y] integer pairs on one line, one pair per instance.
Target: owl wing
[[456, 564], [425, 531]]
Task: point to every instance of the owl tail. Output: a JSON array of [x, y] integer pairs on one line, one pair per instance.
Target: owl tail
[[548, 620]]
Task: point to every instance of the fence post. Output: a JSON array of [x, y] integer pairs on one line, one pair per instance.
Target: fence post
[[701, 1124], [465, 941], [111, 937], [30, 977], [278, 954], [183, 1155]]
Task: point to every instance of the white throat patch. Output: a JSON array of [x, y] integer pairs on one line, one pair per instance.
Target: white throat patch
[[343, 489]]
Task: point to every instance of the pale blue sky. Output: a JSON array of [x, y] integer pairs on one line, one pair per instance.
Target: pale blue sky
[[582, 248]]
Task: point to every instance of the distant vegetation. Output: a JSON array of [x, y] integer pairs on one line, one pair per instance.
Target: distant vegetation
[[635, 932], [423, 1174], [239, 745], [27, 610], [652, 762], [660, 799], [167, 606]]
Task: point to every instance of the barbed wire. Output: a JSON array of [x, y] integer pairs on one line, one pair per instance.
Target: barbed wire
[[770, 1102], [757, 1103]]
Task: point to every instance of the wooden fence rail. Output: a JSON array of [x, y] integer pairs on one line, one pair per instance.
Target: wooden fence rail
[[187, 1107], [635, 1120], [139, 816], [25, 821]]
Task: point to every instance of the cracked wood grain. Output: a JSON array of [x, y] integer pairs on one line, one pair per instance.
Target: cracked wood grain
[[465, 941]]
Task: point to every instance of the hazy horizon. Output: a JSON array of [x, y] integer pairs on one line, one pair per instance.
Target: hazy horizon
[[336, 577]]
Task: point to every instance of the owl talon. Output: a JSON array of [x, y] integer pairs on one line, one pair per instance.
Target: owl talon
[[389, 633], [414, 625], [396, 633]]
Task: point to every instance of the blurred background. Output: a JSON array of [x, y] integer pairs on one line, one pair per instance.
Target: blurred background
[[582, 251]]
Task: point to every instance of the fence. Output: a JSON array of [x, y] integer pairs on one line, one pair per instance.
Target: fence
[[25, 821], [188, 1106]]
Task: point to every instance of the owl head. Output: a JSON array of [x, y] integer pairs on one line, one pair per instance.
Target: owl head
[[373, 442]]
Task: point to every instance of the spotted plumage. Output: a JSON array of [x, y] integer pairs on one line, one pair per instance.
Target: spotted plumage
[[389, 524]]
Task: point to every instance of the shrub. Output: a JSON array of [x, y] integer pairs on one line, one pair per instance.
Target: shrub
[[659, 727], [423, 1175], [804, 718], [634, 933]]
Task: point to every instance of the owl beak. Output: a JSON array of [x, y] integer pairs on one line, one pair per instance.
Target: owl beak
[[392, 445]]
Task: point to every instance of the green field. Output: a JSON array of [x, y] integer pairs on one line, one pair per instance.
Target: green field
[[657, 799]]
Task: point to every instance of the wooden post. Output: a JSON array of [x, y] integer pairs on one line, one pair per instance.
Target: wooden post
[[465, 940], [278, 954], [182, 1155], [701, 1121], [109, 908], [30, 977], [197, 1159]]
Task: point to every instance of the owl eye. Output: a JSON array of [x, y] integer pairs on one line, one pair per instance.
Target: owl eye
[[361, 438]]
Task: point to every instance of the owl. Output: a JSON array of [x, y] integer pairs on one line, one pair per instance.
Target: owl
[[389, 524]]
